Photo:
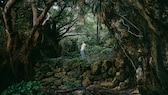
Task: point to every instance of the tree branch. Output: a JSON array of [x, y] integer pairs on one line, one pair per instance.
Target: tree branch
[[48, 17], [128, 29], [42, 16], [28, 43], [129, 22], [35, 12], [7, 15], [61, 35], [73, 35], [120, 44], [62, 9]]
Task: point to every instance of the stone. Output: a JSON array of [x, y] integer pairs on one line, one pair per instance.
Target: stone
[[119, 63], [117, 88], [127, 81], [48, 81], [66, 79], [118, 74], [96, 68], [62, 87], [97, 78], [57, 83], [79, 92], [43, 65], [37, 65], [115, 82], [86, 82], [106, 84], [122, 85], [112, 71], [57, 70], [106, 64], [86, 74], [59, 74], [48, 74]]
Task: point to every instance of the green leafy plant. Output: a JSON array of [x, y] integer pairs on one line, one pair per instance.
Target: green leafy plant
[[23, 88], [72, 84]]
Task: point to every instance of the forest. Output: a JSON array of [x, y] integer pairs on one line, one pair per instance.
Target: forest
[[83, 47]]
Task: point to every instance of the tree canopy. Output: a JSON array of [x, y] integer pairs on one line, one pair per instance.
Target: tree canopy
[[33, 29]]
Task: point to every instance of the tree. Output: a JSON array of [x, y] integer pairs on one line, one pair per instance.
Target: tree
[[143, 43], [140, 30], [29, 26], [17, 64]]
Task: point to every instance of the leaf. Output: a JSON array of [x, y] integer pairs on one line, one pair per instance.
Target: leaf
[[29, 84]]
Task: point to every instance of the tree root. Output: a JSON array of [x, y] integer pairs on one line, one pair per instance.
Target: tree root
[[91, 90]]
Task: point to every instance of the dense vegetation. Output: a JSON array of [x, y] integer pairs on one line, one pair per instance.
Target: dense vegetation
[[130, 32]]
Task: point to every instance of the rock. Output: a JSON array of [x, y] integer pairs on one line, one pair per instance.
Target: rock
[[48, 81], [86, 82], [86, 74], [118, 74], [48, 74], [62, 87], [115, 82], [97, 78], [41, 76], [117, 88], [37, 65], [103, 73], [44, 65], [119, 63], [112, 71], [96, 68], [127, 81], [73, 73], [57, 83], [106, 84], [109, 79], [66, 68], [122, 85], [67, 79], [106, 65], [79, 92], [57, 70], [84, 68], [59, 74], [121, 70], [121, 77]]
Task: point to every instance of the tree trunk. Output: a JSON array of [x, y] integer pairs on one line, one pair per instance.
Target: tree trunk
[[139, 32], [17, 65]]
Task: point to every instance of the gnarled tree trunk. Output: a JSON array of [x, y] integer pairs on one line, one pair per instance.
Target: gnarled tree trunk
[[17, 65], [141, 34]]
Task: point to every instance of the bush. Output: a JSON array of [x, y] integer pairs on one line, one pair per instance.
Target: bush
[[23, 88], [72, 84]]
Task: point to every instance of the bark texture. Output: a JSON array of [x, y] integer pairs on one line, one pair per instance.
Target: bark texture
[[140, 29], [17, 63]]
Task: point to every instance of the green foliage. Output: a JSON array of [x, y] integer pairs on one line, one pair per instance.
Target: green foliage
[[111, 43], [69, 46], [23, 88], [2, 28], [81, 61], [72, 84]]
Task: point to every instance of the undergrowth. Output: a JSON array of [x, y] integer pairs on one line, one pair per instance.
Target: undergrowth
[[24, 88]]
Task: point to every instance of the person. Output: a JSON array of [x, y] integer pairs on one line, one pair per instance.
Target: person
[[82, 50]]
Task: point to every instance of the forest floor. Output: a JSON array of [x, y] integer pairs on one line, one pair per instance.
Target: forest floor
[[68, 75]]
